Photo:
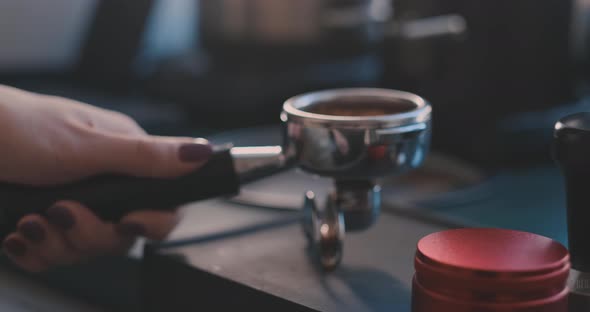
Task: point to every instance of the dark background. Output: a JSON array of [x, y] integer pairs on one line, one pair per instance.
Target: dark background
[[514, 58]]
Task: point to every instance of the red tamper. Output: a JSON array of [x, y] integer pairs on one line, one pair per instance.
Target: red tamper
[[489, 270]]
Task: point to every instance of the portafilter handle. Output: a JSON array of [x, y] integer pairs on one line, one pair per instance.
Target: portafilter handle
[[112, 196]]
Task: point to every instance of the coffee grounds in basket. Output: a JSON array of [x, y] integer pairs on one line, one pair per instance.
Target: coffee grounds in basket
[[360, 108]]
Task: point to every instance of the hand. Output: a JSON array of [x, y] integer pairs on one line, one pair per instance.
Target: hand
[[48, 140]]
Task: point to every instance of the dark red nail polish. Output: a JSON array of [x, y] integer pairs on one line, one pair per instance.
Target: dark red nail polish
[[32, 231], [61, 216], [194, 152], [130, 229], [15, 247]]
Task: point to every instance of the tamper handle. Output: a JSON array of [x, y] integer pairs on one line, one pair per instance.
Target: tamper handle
[[571, 150]]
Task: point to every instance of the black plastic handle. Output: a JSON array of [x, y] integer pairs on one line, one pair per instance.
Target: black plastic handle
[[571, 150], [112, 196]]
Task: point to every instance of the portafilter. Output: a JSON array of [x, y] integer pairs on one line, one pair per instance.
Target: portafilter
[[355, 136]]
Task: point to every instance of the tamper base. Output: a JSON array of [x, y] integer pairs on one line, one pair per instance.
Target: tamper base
[[490, 270]]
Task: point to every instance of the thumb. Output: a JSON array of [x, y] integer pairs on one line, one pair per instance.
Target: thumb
[[155, 156]]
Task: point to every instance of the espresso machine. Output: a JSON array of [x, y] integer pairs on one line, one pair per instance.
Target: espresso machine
[[571, 153]]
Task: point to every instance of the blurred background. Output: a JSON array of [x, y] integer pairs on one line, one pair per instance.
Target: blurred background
[[498, 74], [493, 70]]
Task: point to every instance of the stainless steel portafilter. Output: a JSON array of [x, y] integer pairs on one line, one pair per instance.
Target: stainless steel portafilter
[[354, 136]]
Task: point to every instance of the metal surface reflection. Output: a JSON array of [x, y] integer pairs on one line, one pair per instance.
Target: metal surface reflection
[[354, 150]]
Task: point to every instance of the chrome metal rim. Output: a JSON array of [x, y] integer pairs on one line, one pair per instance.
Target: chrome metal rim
[[294, 109]]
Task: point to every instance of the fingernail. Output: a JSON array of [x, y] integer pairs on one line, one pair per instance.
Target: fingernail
[[32, 231], [61, 216], [195, 152], [130, 229], [15, 247]]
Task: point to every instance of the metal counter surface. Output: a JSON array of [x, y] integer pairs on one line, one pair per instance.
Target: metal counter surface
[[375, 274]]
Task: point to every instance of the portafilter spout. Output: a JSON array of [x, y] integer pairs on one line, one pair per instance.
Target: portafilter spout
[[356, 137]]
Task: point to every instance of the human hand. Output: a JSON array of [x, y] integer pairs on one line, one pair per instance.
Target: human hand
[[48, 140]]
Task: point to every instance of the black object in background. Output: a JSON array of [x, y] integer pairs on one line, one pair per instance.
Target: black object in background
[[514, 59], [112, 43], [242, 93], [572, 153], [251, 61]]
